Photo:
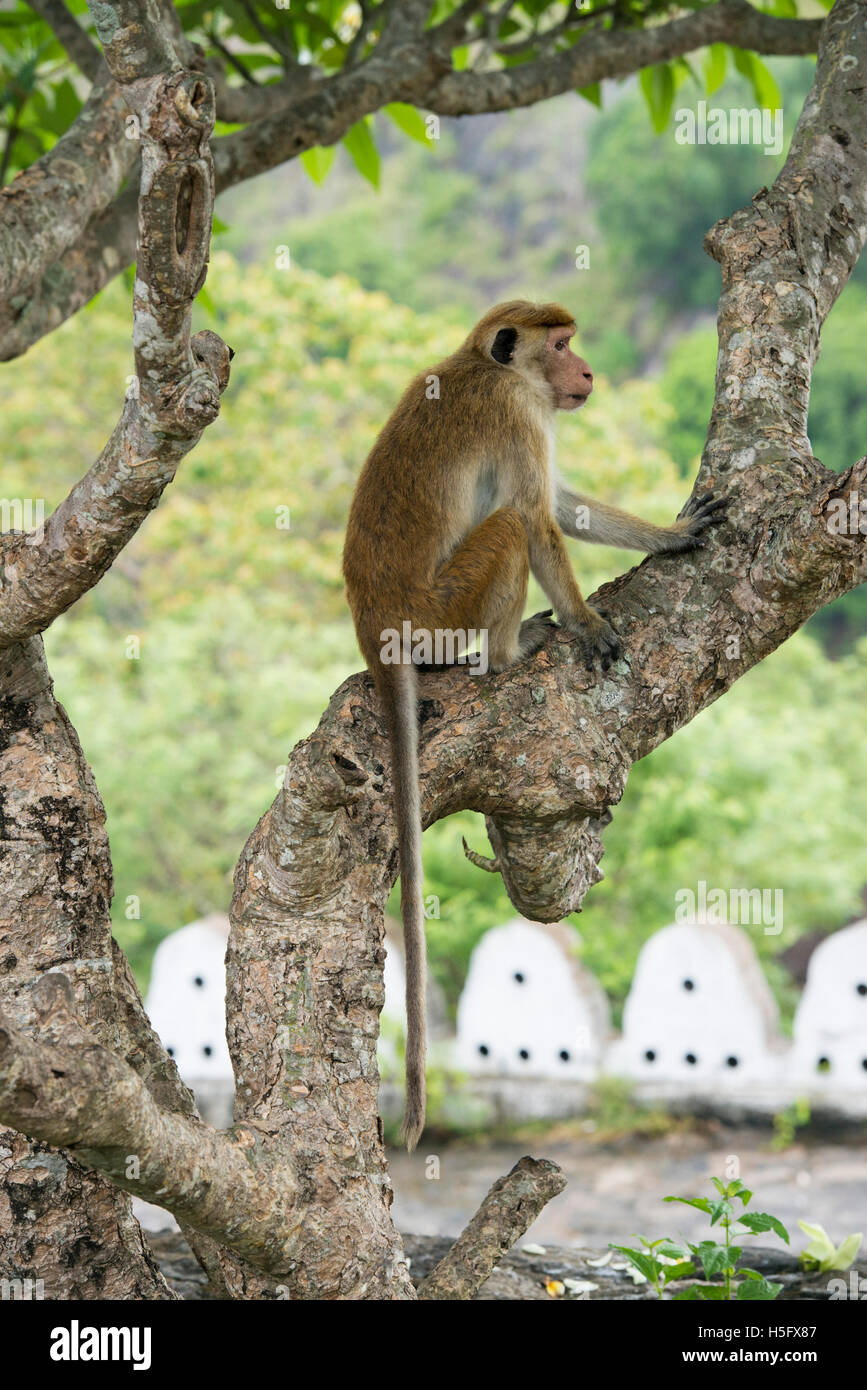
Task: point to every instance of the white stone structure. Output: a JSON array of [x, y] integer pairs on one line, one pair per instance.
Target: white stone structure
[[700, 1011], [830, 1028], [186, 1001], [529, 1008]]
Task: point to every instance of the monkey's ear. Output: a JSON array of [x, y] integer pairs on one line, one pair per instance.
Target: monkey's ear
[[503, 345]]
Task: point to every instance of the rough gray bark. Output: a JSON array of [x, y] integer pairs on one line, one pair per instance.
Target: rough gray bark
[[509, 1209], [308, 107], [59, 1221]]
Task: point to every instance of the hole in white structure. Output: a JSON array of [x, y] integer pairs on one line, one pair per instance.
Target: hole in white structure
[[534, 1007], [691, 1058], [689, 985], [823, 1064], [864, 1063], [650, 1055], [732, 1061], [861, 988], [170, 1051], [199, 981], [484, 1050], [208, 1050]]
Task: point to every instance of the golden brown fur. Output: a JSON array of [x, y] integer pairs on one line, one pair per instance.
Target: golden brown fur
[[456, 503]]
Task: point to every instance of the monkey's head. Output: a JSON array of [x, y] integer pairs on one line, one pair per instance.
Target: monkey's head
[[533, 340]]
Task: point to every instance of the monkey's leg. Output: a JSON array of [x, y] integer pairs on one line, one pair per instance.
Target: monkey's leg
[[550, 564], [483, 587]]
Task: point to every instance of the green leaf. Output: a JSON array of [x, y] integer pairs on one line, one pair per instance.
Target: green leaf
[[765, 89], [218, 225], [684, 1270], [592, 93], [720, 1209], [672, 1251], [822, 1254], [409, 120], [847, 1250], [365, 156], [757, 1221], [700, 1203], [645, 1264], [715, 1258], [756, 1288], [715, 61], [710, 1293], [318, 161], [657, 84]]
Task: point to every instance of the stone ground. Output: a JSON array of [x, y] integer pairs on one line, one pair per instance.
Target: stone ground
[[615, 1189]]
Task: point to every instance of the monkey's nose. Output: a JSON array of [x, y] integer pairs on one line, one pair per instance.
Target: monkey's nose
[[588, 376]]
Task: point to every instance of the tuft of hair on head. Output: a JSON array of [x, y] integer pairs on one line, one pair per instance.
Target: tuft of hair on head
[[497, 331]]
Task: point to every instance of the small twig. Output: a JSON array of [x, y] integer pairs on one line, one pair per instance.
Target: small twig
[[232, 59], [268, 35], [490, 866], [544, 38], [509, 1209], [359, 39]]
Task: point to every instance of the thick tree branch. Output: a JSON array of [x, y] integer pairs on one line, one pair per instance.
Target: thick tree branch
[[46, 208], [507, 1212], [70, 1092], [105, 247], [176, 390], [137, 39], [616, 53]]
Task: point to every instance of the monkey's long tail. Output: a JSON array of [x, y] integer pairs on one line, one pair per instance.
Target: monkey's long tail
[[403, 723]]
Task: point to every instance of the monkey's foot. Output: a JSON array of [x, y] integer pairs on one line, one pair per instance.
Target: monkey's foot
[[698, 514], [534, 631], [597, 640]]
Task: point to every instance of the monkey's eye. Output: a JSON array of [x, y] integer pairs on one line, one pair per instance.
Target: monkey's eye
[[561, 345]]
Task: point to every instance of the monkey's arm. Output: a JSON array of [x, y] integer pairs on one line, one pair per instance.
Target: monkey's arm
[[585, 519]]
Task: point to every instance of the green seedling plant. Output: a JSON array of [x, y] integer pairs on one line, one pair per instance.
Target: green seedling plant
[[663, 1261]]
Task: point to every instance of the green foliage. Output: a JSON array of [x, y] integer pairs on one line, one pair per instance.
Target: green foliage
[[39, 86], [788, 1121], [651, 270], [244, 634], [662, 1262]]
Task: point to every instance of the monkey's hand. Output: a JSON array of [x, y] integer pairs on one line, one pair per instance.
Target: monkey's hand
[[596, 638], [534, 631], [698, 514]]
